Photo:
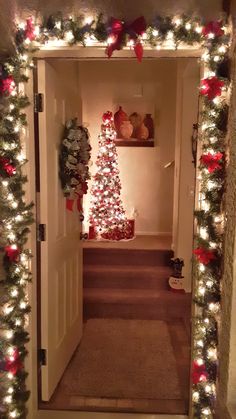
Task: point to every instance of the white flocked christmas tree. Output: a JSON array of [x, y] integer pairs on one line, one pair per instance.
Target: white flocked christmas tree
[[107, 215]]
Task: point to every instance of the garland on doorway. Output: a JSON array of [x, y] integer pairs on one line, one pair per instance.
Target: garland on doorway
[[114, 34], [73, 163]]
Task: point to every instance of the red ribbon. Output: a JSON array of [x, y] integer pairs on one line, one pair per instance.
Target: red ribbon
[[118, 31]]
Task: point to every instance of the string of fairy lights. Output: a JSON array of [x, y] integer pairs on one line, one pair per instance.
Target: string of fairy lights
[[213, 38]]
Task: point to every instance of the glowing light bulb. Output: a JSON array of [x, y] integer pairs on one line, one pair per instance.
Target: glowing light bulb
[[188, 26], [110, 40], [211, 35], [209, 283], [198, 29], [12, 106], [130, 43], [18, 322], [14, 205], [206, 411], [208, 388], [69, 36], [23, 305], [144, 36], [222, 49], [88, 20], [8, 399], [202, 290], [155, 32], [58, 24], [199, 361], [37, 30], [200, 343], [195, 396], [177, 21], [7, 310], [5, 183], [14, 293], [10, 390], [20, 157], [9, 334], [13, 414], [19, 217], [10, 375], [202, 267], [216, 58]]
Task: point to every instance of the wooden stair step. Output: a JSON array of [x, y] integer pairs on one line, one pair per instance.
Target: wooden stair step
[[118, 276], [137, 257], [139, 304]]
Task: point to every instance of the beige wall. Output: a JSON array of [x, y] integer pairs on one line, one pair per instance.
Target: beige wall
[[146, 185]]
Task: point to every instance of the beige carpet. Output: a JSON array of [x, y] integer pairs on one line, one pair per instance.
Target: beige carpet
[[123, 359]]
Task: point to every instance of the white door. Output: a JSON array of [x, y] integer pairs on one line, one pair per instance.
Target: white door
[[61, 253]]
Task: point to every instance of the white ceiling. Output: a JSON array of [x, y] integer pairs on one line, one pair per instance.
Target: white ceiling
[[128, 9]]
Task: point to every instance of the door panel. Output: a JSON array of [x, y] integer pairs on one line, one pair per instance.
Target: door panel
[[61, 253]]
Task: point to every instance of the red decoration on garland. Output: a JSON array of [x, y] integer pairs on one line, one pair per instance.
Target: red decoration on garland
[[211, 87], [211, 161], [118, 31], [30, 30], [12, 252], [7, 166], [13, 363], [7, 85], [199, 373], [204, 256], [214, 28], [107, 117]]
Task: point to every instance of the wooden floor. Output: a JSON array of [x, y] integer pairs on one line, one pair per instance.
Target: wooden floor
[[180, 339]]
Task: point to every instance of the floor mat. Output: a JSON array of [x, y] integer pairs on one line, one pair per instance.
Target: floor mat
[[123, 359]]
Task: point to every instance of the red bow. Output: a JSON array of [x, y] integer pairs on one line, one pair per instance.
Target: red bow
[[117, 35], [204, 256], [211, 87], [7, 166], [12, 252], [213, 28], [7, 85], [13, 363], [199, 373], [30, 30], [212, 162]]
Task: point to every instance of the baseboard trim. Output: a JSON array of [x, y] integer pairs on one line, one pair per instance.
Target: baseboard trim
[[154, 233]]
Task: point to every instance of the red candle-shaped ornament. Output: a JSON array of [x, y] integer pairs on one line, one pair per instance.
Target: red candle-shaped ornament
[[92, 233]]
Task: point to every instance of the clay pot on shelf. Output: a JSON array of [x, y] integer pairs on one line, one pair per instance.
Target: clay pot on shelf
[[126, 130], [136, 121], [119, 117], [142, 132], [148, 122]]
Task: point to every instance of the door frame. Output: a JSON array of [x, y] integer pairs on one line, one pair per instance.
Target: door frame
[[75, 53]]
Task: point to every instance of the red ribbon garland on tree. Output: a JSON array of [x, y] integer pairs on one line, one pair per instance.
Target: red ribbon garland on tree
[[211, 87], [7, 166], [211, 161], [204, 256], [199, 373], [119, 29]]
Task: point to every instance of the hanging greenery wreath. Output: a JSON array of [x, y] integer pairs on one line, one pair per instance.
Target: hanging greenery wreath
[[73, 163], [213, 38]]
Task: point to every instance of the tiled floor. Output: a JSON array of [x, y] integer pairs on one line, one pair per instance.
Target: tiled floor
[[180, 338]]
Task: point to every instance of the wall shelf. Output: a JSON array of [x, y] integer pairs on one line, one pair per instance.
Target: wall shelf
[[133, 142]]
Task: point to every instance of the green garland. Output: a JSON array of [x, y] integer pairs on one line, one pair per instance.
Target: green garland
[[163, 32]]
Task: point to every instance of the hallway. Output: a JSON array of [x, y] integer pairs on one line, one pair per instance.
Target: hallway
[[132, 323]]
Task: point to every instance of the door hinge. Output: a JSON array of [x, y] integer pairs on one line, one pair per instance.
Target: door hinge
[[38, 102], [43, 356], [41, 233]]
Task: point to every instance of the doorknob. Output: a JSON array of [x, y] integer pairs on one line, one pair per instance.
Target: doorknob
[[83, 236]]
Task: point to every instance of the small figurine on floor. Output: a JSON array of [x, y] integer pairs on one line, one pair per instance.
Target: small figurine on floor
[[176, 279]]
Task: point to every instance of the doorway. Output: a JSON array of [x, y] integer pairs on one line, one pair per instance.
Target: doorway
[[68, 95]]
